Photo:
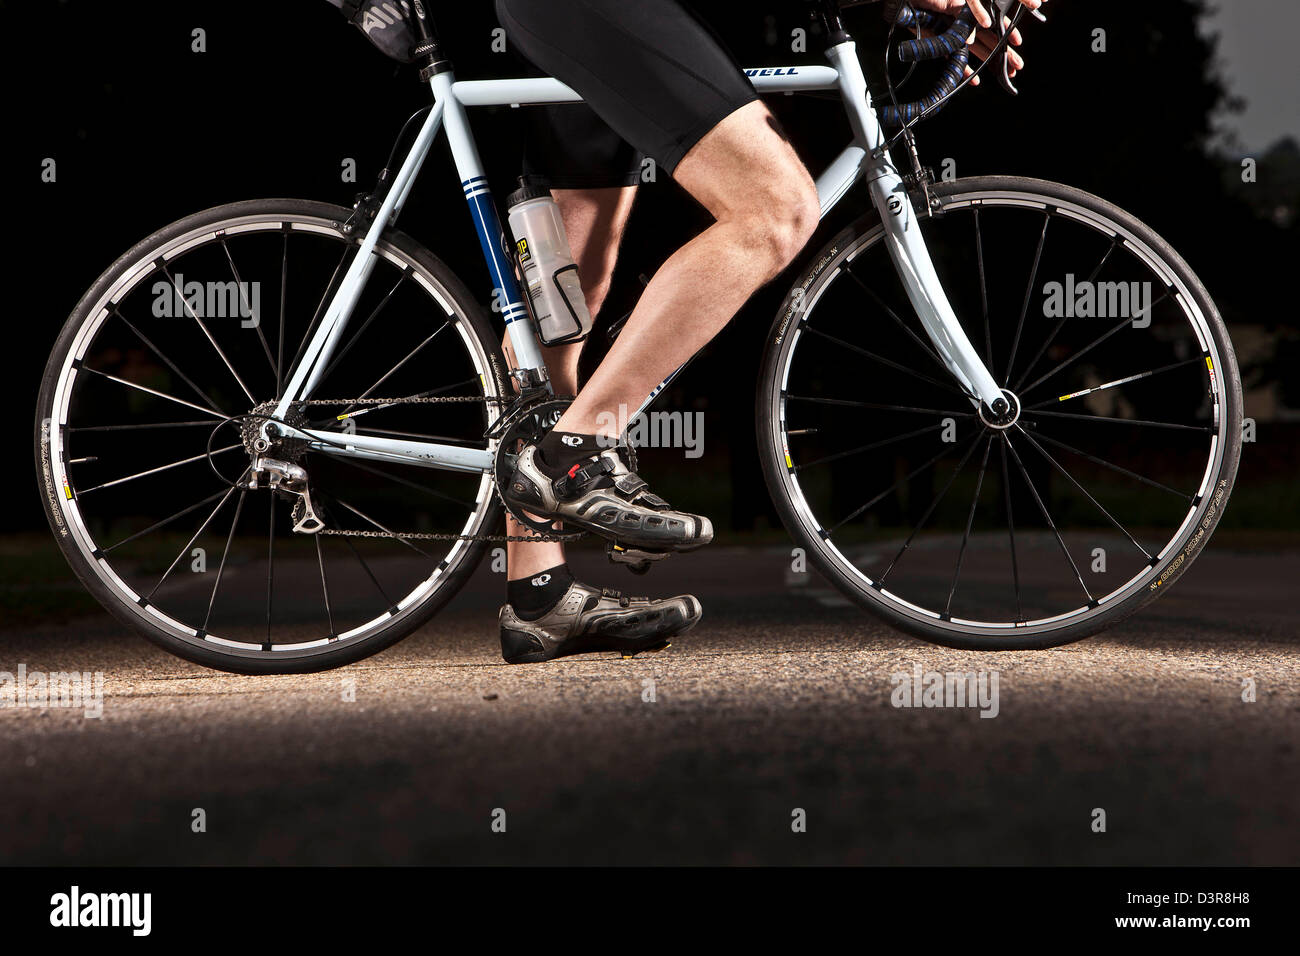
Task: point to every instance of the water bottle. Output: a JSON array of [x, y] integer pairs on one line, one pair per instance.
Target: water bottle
[[550, 276]]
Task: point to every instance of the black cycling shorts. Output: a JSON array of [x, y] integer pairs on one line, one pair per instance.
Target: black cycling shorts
[[654, 77]]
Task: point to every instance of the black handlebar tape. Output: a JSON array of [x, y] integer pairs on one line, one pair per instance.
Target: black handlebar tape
[[945, 45], [952, 77]]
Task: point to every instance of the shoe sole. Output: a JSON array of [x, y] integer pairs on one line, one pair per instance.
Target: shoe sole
[[628, 648], [612, 534]]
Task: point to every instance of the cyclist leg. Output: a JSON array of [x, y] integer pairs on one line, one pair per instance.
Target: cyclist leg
[[593, 220], [549, 613], [658, 77]]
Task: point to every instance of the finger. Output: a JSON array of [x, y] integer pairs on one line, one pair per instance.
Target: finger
[[981, 15]]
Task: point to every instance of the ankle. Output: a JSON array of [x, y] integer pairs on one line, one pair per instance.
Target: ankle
[[559, 451], [534, 596]]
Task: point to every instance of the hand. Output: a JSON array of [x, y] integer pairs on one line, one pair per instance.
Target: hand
[[984, 39]]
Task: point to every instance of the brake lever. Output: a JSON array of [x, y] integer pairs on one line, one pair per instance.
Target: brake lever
[[1003, 22]]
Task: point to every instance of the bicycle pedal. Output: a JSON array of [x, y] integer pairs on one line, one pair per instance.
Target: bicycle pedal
[[636, 560]]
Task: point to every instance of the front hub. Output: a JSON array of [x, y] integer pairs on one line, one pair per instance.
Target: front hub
[[1002, 418]]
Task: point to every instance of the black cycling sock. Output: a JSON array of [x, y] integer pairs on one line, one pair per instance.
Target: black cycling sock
[[534, 596], [558, 451]]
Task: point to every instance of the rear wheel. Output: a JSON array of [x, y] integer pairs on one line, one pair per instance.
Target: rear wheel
[[1085, 502], [143, 439]]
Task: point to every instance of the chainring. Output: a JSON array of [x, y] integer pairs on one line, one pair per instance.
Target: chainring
[[529, 425]]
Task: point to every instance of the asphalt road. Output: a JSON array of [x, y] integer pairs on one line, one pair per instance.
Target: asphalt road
[[778, 702]]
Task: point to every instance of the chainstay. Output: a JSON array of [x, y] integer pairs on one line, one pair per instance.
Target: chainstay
[[434, 536], [412, 400], [429, 535]]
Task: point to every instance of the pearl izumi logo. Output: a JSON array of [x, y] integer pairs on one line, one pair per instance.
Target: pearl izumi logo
[[541, 580], [1098, 300], [75, 908], [573, 441]]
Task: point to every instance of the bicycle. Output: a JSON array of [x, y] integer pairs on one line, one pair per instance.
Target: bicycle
[[861, 415]]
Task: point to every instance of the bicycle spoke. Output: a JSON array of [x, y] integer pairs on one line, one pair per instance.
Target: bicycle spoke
[[364, 325], [928, 511], [367, 409], [392, 607], [984, 291], [284, 298], [1011, 525], [1086, 349], [405, 481], [1122, 421], [878, 407], [1103, 462], [270, 575], [925, 347], [365, 517], [127, 428], [1096, 504], [160, 468], [884, 361], [970, 522], [410, 355], [330, 291], [257, 319], [1029, 292], [908, 477], [1119, 381], [1048, 518], [877, 444], [194, 315], [165, 521], [168, 362], [422, 436], [151, 391], [325, 589], [216, 585], [185, 550], [1038, 356]]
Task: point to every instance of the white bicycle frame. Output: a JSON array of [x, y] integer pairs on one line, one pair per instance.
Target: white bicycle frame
[[866, 157]]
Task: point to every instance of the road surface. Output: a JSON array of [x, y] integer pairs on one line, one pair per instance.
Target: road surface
[[770, 739]]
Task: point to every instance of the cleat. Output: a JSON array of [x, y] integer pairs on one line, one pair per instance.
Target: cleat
[[636, 560], [596, 619], [603, 496]]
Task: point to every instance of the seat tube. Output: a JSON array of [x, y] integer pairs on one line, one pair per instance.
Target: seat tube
[[506, 297]]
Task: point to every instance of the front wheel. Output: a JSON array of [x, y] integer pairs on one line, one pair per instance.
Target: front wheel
[[1085, 502]]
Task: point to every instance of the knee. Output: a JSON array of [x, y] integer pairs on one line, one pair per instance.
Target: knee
[[787, 219]]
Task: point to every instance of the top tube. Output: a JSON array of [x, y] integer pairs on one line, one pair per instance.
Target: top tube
[[543, 91]]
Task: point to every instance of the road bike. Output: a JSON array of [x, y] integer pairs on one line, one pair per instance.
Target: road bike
[[997, 412]]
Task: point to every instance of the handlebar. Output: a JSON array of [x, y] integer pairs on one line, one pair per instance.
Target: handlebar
[[950, 43]]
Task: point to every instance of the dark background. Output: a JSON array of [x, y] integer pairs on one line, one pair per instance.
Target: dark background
[[145, 131]]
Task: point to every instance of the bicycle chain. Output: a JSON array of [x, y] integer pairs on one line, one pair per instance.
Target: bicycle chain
[[429, 535]]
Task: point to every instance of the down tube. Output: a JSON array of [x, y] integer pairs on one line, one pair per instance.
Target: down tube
[[491, 237]]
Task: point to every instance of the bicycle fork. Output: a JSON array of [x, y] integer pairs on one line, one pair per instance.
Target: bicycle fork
[[903, 238]]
